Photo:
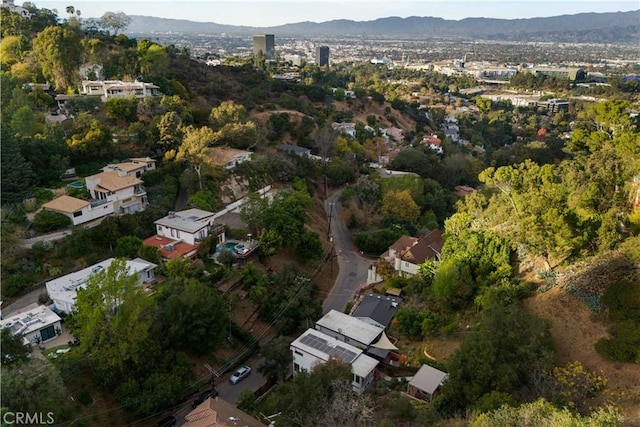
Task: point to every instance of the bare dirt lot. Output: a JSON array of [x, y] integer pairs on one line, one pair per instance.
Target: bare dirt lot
[[575, 333]]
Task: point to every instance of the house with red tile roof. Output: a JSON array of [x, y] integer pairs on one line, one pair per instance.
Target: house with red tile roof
[[215, 412], [179, 234]]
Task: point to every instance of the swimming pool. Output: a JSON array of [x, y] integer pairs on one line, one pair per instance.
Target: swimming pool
[[76, 184], [228, 244]]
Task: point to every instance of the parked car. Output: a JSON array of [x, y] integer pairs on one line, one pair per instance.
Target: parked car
[[204, 396], [169, 421], [240, 374]]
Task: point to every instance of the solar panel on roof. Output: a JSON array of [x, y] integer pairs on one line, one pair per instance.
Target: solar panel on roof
[[323, 346]]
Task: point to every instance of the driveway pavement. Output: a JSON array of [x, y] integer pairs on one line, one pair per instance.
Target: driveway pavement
[[353, 266]]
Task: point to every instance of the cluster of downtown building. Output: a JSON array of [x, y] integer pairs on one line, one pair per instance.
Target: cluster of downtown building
[[482, 59]]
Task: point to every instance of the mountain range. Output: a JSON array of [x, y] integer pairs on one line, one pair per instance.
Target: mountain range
[[614, 27]]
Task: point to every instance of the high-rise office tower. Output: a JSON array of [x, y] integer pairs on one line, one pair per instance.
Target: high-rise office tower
[[266, 44], [322, 56]]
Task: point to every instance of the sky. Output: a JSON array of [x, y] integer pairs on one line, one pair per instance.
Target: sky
[[267, 13]]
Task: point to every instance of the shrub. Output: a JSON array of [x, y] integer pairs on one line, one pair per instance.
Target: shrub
[[15, 284], [46, 221]]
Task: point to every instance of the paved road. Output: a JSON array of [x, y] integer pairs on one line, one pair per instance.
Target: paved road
[[229, 392], [353, 266]]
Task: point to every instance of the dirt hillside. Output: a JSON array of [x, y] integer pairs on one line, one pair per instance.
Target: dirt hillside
[[575, 333]]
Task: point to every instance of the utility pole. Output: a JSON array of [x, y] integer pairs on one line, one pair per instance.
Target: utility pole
[[330, 216], [214, 375], [229, 337]]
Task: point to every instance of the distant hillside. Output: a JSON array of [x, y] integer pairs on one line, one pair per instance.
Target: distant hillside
[[617, 27]]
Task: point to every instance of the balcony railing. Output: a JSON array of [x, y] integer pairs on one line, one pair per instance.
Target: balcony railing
[[139, 190], [96, 203]]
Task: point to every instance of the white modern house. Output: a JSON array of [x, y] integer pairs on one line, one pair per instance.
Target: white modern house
[[314, 348], [345, 128], [119, 187], [78, 210], [63, 290], [179, 233], [366, 336], [118, 89], [36, 323], [11, 7], [191, 225]]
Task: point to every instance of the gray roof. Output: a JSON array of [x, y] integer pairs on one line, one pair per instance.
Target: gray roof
[[378, 308], [428, 379], [300, 151], [190, 220], [350, 327]]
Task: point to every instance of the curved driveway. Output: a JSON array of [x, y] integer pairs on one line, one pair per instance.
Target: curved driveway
[[353, 266]]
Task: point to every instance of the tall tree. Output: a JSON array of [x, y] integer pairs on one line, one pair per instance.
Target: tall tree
[[194, 149], [191, 318], [115, 21], [59, 51], [112, 318], [170, 131], [277, 358], [17, 176], [13, 349]]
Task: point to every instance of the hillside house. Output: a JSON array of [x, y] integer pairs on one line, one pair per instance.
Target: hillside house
[[408, 253], [356, 332], [377, 310], [120, 187], [106, 89], [227, 157], [294, 149], [63, 290], [215, 412], [345, 128], [180, 233], [36, 323], [77, 210], [314, 348], [433, 142]]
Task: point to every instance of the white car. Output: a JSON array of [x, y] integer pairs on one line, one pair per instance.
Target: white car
[[240, 374]]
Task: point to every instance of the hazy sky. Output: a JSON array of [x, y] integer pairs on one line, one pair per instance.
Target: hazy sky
[[265, 13]]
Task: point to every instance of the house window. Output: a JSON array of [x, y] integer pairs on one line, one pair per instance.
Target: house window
[[298, 353], [148, 275], [357, 379], [77, 214], [178, 234], [172, 232], [296, 367]]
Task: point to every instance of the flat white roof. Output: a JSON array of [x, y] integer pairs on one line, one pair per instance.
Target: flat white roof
[[351, 327], [190, 220], [65, 288], [363, 365], [325, 347], [29, 319]]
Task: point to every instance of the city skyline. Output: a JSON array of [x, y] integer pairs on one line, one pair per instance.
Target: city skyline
[[269, 13]]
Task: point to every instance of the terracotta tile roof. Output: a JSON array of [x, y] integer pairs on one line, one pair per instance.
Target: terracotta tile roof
[[127, 167], [66, 204], [111, 181], [215, 412], [179, 250]]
